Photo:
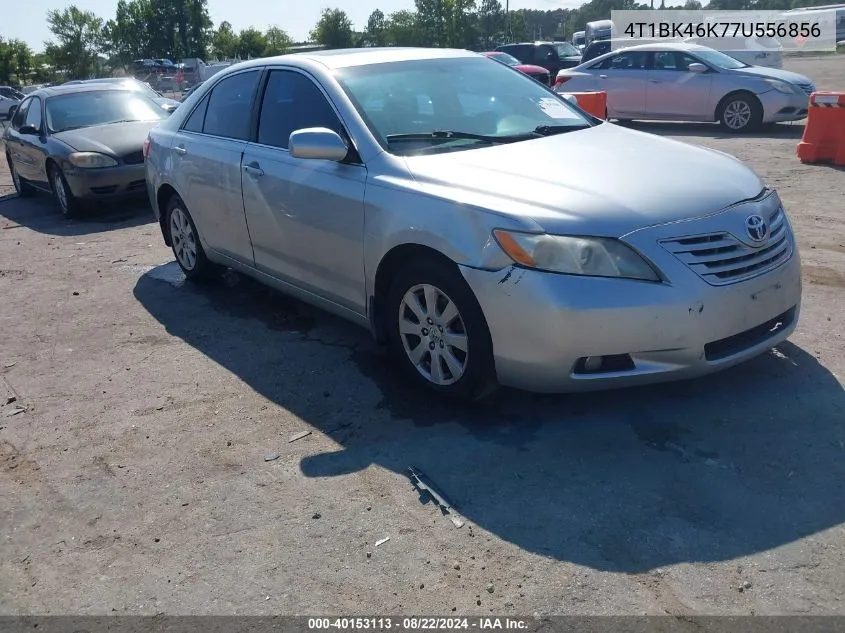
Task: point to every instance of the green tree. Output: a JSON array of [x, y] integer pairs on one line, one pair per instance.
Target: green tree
[[491, 22], [224, 42], [16, 61], [278, 42], [78, 39], [517, 27], [334, 30], [376, 33], [402, 29], [251, 43]]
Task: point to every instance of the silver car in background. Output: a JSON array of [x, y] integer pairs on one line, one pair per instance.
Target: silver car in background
[[687, 82], [430, 196]]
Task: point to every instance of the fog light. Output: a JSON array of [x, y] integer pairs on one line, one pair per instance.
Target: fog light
[[593, 363]]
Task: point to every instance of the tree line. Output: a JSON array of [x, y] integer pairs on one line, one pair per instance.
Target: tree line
[[85, 45]]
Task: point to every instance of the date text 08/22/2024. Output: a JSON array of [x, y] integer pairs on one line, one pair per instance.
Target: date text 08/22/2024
[[415, 624]]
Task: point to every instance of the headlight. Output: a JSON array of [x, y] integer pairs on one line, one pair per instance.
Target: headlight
[[91, 160], [781, 86], [590, 256]]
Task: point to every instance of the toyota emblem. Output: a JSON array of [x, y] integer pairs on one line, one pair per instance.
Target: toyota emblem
[[756, 228]]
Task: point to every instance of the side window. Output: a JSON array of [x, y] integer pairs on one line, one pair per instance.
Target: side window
[[197, 118], [665, 60], [230, 105], [33, 114], [292, 102], [20, 115], [544, 53], [624, 61], [683, 61], [521, 51]]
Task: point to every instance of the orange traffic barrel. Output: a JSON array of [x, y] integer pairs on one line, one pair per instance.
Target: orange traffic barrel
[[594, 103], [824, 133]]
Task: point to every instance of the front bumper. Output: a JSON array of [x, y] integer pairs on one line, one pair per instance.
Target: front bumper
[[779, 107], [544, 325], [108, 183]]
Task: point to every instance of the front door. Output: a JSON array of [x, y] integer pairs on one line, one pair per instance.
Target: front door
[[306, 217], [674, 91]]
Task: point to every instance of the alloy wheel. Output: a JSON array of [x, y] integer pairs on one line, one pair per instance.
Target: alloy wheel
[[737, 114], [433, 334], [184, 239]]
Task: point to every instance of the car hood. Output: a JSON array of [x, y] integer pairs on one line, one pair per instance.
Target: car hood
[[115, 139], [605, 180], [773, 73], [531, 69]]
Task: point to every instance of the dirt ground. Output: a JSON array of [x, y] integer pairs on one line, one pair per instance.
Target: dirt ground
[[135, 480]]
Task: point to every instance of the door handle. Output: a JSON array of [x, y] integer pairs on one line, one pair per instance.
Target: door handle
[[253, 169], [180, 149], [602, 76], [654, 81]]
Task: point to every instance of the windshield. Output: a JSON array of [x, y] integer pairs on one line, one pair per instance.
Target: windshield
[[85, 109], [433, 102], [565, 49], [721, 60], [510, 60]]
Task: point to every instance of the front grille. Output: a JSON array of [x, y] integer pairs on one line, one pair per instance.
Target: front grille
[[135, 158], [720, 258]]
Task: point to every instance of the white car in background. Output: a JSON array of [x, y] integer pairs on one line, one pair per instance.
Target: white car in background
[[9, 97], [687, 82]]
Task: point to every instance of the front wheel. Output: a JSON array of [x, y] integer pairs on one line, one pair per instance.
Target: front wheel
[[186, 244], [740, 113], [438, 331], [66, 201]]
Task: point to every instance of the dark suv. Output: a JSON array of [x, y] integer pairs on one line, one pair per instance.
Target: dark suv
[[553, 56]]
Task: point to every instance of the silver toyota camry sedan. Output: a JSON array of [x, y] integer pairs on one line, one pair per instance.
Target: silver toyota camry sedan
[[430, 196]]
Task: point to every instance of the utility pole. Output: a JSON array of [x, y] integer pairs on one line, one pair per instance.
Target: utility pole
[[507, 21]]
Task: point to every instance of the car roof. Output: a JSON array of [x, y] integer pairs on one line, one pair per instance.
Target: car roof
[[350, 57], [64, 89], [658, 46]]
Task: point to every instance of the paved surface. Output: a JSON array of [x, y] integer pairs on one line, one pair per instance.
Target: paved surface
[[135, 480]]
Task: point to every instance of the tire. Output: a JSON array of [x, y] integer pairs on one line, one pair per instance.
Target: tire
[[740, 113], [24, 189], [65, 200], [470, 373], [186, 245]]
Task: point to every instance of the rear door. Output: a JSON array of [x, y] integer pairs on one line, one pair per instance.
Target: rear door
[[674, 91], [623, 77], [206, 156]]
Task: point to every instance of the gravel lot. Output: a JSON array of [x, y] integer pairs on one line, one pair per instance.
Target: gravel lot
[[135, 479]]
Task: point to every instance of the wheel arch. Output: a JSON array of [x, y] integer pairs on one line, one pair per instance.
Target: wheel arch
[[392, 262], [163, 195], [735, 93]]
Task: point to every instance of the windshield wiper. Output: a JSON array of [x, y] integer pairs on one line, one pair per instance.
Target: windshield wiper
[[453, 134], [124, 121], [549, 130]]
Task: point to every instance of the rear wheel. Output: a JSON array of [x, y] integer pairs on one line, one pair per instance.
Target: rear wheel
[[740, 113], [24, 189], [186, 244], [438, 332]]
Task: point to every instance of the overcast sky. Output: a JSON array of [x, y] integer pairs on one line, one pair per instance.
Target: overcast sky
[[297, 17]]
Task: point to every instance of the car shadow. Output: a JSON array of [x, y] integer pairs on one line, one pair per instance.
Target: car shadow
[[40, 214], [629, 480], [713, 130]]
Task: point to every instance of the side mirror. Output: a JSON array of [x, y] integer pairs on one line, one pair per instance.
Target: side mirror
[[571, 98], [697, 68], [29, 130], [317, 143]]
